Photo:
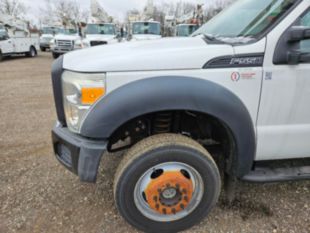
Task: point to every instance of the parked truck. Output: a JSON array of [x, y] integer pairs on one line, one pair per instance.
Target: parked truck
[[98, 34], [145, 30], [184, 30], [64, 41], [14, 41], [229, 103], [47, 35]]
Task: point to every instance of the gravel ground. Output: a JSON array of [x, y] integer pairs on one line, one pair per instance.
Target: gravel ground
[[39, 195]]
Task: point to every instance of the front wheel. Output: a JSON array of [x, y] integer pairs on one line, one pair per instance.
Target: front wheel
[[55, 55], [166, 183], [32, 52]]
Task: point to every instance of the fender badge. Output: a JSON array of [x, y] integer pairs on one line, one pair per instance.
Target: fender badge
[[235, 76]]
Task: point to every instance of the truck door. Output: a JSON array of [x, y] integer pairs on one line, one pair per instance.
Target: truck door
[[283, 125], [7, 44]]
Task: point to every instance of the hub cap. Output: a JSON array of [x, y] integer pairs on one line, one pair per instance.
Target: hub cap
[[168, 191]]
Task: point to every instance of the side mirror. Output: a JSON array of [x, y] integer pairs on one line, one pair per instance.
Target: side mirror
[[299, 33], [296, 57]]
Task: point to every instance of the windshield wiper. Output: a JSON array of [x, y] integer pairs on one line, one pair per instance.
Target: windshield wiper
[[210, 38]]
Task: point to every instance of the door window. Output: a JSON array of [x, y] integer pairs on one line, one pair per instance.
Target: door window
[[305, 21], [3, 35]]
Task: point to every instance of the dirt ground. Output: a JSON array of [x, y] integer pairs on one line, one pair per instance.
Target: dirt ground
[[38, 195]]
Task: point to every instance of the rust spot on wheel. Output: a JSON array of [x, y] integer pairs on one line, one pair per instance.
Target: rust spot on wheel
[[166, 193]]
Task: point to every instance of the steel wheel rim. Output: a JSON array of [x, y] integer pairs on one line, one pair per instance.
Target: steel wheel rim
[[144, 181]]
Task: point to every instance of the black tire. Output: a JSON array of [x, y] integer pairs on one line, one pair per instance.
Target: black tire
[[1, 56], [42, 49], [32, 52], [161, 149], [55, 55]]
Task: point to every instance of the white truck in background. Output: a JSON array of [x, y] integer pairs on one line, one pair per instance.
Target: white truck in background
[[64, 42], [14, 40], [145, 30], [47, 35], [185, 30], [98, 34]]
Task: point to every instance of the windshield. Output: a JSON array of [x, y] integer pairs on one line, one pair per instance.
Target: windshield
[[102, 29], [246, 19], [186, 30], [67, 31], [145, 28], [50, 30]]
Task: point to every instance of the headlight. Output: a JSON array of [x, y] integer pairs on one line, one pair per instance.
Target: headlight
[[78, 44], [52, 42], [86, 44], [80, 91]]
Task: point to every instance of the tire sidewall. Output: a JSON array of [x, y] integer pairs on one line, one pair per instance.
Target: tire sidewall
[[32, 52], [204, 166], [55, 55]]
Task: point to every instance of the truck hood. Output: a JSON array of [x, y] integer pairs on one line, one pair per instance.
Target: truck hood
[[164, 54]]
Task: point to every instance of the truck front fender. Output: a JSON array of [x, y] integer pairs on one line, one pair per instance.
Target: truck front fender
[[175, 93]]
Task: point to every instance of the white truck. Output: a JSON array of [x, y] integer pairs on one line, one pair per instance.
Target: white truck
[[229, 103], [14, 41], [145, 30], [98, 34], [185, 30], [47, 35], [64, 41]]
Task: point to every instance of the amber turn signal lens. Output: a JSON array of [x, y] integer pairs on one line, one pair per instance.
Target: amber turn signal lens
[[91, 95]]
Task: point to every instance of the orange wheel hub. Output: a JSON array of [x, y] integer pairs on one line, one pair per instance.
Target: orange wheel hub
[[169, 193]]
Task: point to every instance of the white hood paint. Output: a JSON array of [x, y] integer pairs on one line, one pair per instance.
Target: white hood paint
[[164, 54]]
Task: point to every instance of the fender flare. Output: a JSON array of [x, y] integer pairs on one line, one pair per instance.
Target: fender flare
[[175, 93]]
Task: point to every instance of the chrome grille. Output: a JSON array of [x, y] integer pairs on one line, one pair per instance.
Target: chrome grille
[[65, 44]]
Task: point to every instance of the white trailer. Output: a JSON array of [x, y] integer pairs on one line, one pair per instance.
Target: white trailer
[[16, 41]]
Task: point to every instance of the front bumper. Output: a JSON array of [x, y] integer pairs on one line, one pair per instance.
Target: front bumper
[[78, 154], [45, 45], [60, 50]]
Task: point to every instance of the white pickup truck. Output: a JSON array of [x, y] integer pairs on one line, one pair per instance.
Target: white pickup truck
[[98, 34], [184, 30], [64, 41], [19, 42], [145, 30], [229, 103]]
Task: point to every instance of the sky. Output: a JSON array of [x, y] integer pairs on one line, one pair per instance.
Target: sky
[[116, 8]]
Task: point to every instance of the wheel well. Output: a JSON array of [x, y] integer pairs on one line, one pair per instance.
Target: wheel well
[[210, 132], [34, 48]]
